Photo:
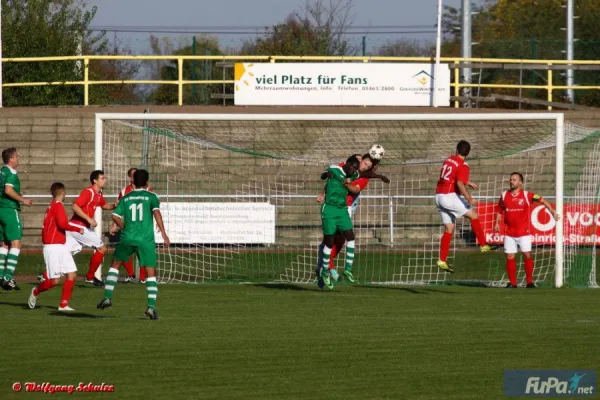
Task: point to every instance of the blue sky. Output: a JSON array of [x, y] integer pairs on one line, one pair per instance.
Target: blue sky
[[256, 13]]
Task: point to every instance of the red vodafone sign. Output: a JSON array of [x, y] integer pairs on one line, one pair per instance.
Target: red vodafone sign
[[581, 224]]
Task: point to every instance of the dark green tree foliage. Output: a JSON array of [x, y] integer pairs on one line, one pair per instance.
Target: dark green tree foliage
[[38, 28], [193, 70]]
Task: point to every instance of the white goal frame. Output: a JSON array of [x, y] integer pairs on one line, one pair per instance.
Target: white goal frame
[[557, 117]]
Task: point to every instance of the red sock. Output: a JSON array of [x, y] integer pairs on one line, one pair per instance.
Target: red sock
[[95, 263], [67, 292], [478, 230], [45, 274], [129, 266], [445, 246], [334, 252], [42, 287], [142, 273], [511, 270], [529, 270]]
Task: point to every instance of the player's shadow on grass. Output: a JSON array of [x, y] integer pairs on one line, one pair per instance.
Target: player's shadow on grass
[[405, 289], [78, 315], [283, 286], [23, 305]]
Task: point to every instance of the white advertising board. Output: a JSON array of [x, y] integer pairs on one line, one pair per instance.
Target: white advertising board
[[340, 84], [223, 223]]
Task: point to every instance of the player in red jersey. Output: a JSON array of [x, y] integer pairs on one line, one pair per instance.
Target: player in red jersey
[[451, 185], [114, 229], [367, 168], [515, 205], [84, 209], [57, 257]]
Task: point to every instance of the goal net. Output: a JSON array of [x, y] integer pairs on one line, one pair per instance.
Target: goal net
[[238, 192]]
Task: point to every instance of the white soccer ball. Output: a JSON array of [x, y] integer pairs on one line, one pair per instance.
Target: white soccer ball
[[377, 152]]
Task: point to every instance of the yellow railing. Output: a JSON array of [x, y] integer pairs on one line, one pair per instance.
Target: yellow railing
[[180, 82]]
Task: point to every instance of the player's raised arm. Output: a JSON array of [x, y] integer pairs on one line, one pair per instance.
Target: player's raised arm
[[548, 206], [370, 174]]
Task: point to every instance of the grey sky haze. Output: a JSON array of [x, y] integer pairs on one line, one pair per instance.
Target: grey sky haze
[[254, 13]]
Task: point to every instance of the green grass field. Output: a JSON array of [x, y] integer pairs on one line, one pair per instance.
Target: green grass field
[[294, 341], [370, 266]]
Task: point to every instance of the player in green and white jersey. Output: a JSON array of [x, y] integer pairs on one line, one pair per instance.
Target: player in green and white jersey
[[334, 213], [11, 224], [135, 215]]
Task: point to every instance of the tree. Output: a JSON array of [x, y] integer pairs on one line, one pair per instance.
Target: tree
[[37, 28], [317, 29], [529, 29], [406, 48], [192, 70]]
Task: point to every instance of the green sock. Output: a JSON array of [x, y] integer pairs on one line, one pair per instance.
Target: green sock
[[3, 255], [151, 291], [110, 282], [11, 263], [349, 255]]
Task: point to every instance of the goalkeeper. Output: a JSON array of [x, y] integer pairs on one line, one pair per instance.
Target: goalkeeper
[[334, 214]]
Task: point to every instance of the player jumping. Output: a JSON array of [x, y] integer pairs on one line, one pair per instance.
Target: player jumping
[[367, 169], [84, 209], [453, 182], [335, 217], [134, 215], [114, 228], [11, 227], [57, 256], [515, 205]]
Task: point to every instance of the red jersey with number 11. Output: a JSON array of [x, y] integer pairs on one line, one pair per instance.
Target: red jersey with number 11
[[454, 170]]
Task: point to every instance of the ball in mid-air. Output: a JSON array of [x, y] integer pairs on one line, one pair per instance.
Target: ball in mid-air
[[377, 152]]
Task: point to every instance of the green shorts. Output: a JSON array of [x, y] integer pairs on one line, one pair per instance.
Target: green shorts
[[11, 226], [335, 219], [146, 252]]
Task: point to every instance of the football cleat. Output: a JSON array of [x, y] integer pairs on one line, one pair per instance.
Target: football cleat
[[32, 299], [349, 276], [531, 286], [130, 279], [96, 282], [327, 280], [105, 303], [334, 275], [444, 265], [487, 248], [511, 286], [10, 285], [40, 278], [65, 308], [151, 313]]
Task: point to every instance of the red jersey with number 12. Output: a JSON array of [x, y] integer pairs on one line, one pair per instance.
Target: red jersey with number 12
[[88, 201], [55, 224], [454, 170]]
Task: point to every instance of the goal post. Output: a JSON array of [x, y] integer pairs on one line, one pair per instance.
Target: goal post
[[265, 168]]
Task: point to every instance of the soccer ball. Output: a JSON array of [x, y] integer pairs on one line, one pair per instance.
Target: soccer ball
[[377, 152]]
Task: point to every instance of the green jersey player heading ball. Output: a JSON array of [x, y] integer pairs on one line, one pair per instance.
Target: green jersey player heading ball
[[335, 216], [135, 215]]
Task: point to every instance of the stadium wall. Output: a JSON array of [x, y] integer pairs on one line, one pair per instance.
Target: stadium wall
[[57, 144]]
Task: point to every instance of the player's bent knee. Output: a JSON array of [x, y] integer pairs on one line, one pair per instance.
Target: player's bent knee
[[449, 228], [101, 249], [510, 256], [15, 244], [526, 254]]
